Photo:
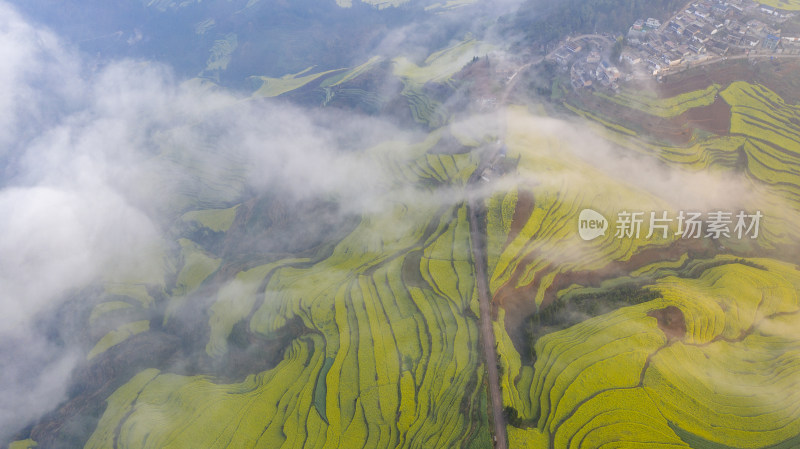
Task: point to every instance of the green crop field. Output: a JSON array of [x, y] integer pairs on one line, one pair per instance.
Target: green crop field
[[117, 336], [107, 307], [273, 87], [763, 144], [23, 444], [666, 107], [365, 224], [377, 329], [616, 375], [549, 231], [218, 220], [387, 351], [725, 381], [390, 352], [137, 292], [441, 65], [352, 73], [790, 5], [602, 121], [197, 266]]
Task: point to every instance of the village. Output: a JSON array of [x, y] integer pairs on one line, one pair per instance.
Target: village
[[703, 32]]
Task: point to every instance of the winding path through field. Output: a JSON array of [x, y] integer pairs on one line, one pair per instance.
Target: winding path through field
[[478, 239], [476, 210]]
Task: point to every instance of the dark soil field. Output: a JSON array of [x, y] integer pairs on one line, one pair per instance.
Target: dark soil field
[[715, 118], [780, 75]]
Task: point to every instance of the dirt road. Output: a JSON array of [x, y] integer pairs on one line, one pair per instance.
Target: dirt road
[[487, 333]]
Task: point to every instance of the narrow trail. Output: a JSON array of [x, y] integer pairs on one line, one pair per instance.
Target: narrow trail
[[476, 208], [478, 238]]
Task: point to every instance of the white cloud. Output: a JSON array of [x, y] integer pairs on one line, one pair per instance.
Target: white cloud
[[91, 164]]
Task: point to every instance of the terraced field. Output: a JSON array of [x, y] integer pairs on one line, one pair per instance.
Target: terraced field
[[439, 67], [669, 107], [547, 231], [649, 343], [425, 84], [702, 363], [705, 356], [534, 244], [273, 87], [388, 355], [763, 143]]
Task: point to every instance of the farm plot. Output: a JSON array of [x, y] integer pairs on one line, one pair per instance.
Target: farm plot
[[388, 355], [720, 368]]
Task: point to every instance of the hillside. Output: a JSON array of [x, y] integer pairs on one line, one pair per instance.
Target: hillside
[[387, 224]]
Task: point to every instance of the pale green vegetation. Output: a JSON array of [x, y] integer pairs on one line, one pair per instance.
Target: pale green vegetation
[[134, 291], [424, 109], [23, 444], [730, 380], [117, 336], [663, 107], [222, 52], [500, 214], [526, 438], [197, 266], [772, 131], [709, 154], [549, 233], [273, 87], [235, 301], [618, 376], [790, 5], [602, 121], [764, 144], [352, 73], [390, 356], [218, 220], [440, 66], [119, 405], [107, 307]]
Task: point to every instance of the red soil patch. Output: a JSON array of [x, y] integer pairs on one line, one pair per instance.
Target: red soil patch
[[681, 86], [714, 118], [781, 76], [670, 321], [522, 211], [669, 130], [691, 80], [519, 304]]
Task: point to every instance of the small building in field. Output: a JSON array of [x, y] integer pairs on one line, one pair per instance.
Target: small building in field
[[771, 42]]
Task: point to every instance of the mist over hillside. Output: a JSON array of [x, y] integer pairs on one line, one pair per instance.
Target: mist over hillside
[[358, 224], [107, 143]]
